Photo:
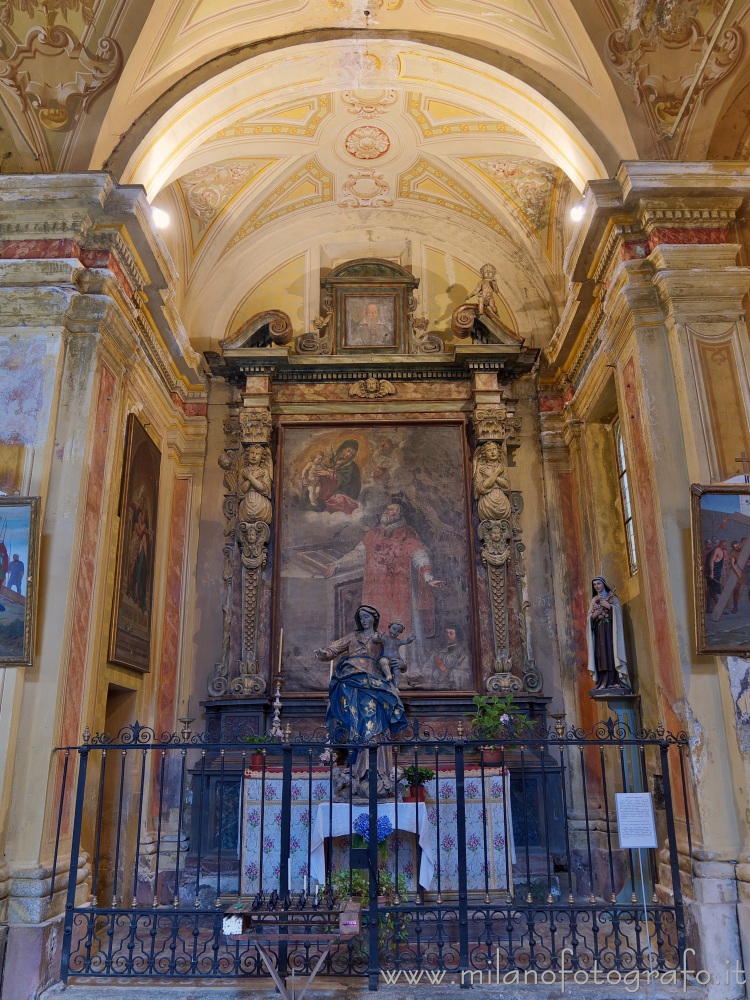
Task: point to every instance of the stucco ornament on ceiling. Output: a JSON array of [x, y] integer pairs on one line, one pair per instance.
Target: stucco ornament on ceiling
[[207, 189], [365, 189], [53, 74], [670, 52], [529, 184], [368, 142], [369, 103]]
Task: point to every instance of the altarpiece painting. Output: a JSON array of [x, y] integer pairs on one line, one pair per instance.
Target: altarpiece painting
[[377, 514]]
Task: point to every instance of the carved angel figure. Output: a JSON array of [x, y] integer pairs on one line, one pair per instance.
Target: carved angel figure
[[491, 483], [256, 478], [486, 289], [373, 388]]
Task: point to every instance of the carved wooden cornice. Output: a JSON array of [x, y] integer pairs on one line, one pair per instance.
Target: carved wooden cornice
[[508, 362]]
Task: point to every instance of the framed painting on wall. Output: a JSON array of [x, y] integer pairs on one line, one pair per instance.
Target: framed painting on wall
[[376, 514], [19, 559], [721, 557], [132, 615]]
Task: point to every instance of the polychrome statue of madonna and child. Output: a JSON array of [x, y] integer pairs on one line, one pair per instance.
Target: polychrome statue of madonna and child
[[363, 701]]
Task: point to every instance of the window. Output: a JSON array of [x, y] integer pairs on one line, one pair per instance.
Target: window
[[627, 509]]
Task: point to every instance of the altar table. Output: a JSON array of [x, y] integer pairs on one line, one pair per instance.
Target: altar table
[[488, 829]]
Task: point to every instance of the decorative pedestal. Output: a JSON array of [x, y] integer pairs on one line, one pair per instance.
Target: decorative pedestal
[[626, 708]]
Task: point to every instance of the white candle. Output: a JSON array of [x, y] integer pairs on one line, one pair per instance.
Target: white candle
[[304, 883], [316, 893], [330, 675]]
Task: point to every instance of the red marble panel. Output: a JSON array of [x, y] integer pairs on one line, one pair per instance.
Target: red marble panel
[[38, 249], [75, 669], [654, 570], [678, 235], [190, 409], [57, 249], [553, 402], [568, 491], [170, 643]]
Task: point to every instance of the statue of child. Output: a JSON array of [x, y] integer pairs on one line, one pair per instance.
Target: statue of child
[[390, 662]]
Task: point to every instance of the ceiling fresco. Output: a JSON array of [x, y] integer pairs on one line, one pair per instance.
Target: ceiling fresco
[[285, 131]]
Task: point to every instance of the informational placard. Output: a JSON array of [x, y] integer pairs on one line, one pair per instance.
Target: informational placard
[[635, 819]]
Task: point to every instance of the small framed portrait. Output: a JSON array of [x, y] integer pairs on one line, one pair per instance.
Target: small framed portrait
[[721, 555], [370, 321], [132, 615], [19, 559]]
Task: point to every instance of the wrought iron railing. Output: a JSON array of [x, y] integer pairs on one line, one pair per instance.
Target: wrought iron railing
[[507, 859]]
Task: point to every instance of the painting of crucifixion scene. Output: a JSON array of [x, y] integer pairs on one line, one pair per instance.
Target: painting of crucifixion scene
[[721, 530], [377, 516]]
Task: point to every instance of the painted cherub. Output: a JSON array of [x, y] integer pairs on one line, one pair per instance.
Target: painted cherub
[[390, 662], [486, 289]]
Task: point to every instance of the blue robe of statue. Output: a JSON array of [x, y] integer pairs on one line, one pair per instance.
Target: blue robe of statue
[[361, 702]]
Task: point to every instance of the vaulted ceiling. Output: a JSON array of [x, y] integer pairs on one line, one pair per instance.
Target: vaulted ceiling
[[284, 136]]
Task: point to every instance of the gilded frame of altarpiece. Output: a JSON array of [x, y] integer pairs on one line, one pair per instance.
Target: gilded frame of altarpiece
[[720, 517], [19, 545]]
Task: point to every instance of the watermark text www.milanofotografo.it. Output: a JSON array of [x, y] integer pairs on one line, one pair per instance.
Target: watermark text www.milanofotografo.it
[[566, 978]]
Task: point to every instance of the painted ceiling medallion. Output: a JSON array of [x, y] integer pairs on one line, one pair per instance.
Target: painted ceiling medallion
[[367, 142]]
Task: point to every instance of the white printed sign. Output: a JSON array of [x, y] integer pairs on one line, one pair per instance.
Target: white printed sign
[[635, 819]]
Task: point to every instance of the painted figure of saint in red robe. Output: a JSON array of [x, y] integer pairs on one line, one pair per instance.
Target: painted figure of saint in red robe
[[398, 576]]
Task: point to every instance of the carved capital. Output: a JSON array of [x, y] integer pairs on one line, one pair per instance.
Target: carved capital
[[497, 423], [255, 425], [502, 681]]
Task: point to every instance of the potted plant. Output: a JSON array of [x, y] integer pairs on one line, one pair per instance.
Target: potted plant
[[355, 884], [256, 757], [497, 722], [415, 778]]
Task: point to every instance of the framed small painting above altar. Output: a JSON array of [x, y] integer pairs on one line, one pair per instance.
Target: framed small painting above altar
[[377, 514], [370, 302], [370, 320]]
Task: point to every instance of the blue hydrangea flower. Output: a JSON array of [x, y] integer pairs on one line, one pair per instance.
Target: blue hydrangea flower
[[362, 827]]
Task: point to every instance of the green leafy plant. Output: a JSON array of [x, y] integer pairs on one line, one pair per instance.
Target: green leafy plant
[[497, 719], [360, 884], [359, 881], [416, 776], [259, 740]]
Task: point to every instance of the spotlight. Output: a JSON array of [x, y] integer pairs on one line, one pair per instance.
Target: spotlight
[[160, 217], [576, 212]]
